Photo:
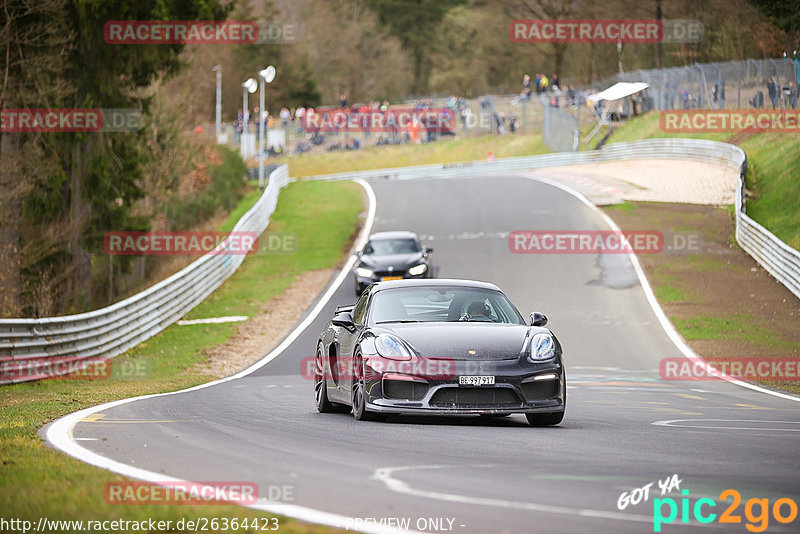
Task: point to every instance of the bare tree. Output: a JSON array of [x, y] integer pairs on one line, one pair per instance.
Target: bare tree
[[33, 41]]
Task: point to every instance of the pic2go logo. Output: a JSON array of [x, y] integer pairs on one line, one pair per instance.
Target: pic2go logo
[[757, 521]]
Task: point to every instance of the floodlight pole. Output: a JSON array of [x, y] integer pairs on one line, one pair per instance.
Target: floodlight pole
[[264, 76], [218, 70]]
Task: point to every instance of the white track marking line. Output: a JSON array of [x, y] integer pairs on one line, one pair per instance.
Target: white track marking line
[[59, 434], [385, 475], [669, 423], [672, 333]]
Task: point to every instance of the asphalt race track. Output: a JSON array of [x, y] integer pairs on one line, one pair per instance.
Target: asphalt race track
[[624, 427]]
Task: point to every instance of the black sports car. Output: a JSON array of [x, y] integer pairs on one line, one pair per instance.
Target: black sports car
[[439, 347], [391, 256]]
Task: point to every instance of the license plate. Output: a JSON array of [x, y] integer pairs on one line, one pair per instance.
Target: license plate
[[475, 380], [385, 278]]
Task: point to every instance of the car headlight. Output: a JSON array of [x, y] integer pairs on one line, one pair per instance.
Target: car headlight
[[542, 347], [363, 272], [388, 346], [418, 269]]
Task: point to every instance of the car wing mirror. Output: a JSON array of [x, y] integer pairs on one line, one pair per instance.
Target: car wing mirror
[[538, 319], [428, 250], [344, 319]]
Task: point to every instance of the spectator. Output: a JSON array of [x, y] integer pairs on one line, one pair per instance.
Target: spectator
[[772, 91], [758, 100], [526, 87], [793, 94], [538, 84], [284, 115], [466, 116], [238, 124], [343, 100], [554, 81]]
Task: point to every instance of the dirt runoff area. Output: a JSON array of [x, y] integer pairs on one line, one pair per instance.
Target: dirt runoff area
[[658, 180], [725, 305]]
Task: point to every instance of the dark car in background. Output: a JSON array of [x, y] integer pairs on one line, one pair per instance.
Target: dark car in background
[[391, 256], [439, 347]]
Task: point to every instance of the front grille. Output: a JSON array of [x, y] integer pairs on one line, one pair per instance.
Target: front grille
[[390, 273], [404, 389], [475, 398], [540, 389]]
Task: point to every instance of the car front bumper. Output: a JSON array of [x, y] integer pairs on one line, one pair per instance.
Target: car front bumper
[[520, 387]]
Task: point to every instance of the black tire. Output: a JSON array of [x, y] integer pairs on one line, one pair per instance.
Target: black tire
[[321, 388], [544, 419], [359, 393]]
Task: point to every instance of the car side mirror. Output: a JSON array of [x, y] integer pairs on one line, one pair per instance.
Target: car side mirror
[[344, 319], [357, 253], [538, 319], [428, 250]]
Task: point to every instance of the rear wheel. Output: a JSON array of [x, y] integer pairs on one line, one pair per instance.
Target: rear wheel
[[544, 419], [360, 411], [321, 387]]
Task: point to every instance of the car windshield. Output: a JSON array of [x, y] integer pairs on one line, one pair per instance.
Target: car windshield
[[381, 247], [443, 304]]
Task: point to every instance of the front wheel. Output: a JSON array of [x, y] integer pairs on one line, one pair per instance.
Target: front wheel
[[544, 419], [360, 411]]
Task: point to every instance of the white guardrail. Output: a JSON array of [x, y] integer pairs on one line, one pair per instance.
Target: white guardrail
[[111, 331], [31, 349]]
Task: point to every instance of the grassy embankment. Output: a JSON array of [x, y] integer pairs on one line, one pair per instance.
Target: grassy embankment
[[36, 481]]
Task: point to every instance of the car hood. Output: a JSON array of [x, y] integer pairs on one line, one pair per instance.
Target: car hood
[[455, 340], [399, 262]]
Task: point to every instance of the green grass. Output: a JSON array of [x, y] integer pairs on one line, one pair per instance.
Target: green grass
[[622, 206], [668, 293], [450, 151], [774, 175], [37, 481], [738, 327]]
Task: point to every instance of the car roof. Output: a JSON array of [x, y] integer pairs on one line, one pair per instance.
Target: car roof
[[433, 282], [401, 234]]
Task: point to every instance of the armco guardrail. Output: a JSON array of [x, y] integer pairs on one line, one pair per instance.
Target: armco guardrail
[[31, 349], [780, 260]]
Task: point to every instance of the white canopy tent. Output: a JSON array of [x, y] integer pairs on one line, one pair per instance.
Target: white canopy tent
[[616, 92]]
